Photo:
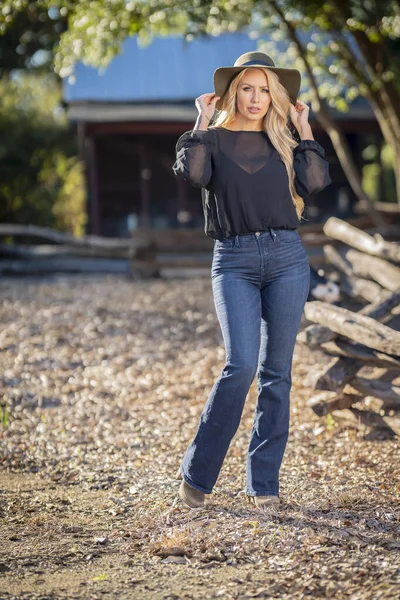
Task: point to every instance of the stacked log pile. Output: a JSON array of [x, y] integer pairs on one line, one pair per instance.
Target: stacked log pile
[[368, 269]]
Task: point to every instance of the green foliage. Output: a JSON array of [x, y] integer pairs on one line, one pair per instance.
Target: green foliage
[[97, 29], [29, 31], [340, 32], [389, 180], [4, 415], [330, 423], [370, 180], [41, 180], [371, 173]]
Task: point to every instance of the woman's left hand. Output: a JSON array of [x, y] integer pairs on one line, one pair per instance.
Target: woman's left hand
[[299, 114]]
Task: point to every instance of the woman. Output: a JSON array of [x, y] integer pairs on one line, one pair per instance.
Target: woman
[[253, 176]]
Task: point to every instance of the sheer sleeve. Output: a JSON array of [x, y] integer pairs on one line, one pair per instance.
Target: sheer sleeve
[[193, 156], [311, 168]]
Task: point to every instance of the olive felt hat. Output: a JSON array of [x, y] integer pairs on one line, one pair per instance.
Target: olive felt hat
[[289, 78]]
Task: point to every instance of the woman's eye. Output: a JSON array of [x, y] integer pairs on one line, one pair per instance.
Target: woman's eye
[[247, 88]]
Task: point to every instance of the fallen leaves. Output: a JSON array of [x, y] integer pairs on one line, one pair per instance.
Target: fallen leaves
[[104, 390]]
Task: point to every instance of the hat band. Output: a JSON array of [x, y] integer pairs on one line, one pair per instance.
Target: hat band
[[256, 62]]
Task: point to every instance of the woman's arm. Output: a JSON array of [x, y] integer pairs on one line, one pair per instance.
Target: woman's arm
[[193, 156], [194, 148], [305, 132], [311, 168], [202, 122]]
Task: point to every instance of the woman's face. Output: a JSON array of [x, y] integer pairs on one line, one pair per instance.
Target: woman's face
[[252, 96]]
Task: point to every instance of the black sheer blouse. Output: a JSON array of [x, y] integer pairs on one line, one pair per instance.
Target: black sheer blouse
[[245, 186]]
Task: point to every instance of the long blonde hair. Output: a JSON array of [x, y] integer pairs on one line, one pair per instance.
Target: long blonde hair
[[275, 125]]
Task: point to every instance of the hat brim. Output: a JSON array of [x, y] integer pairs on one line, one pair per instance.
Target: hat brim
[[289, 78]]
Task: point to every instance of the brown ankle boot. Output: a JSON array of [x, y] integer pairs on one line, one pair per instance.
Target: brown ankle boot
[[265, 502], [190, 496]]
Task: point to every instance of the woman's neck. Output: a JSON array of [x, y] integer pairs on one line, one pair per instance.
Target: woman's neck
[[246, 125]]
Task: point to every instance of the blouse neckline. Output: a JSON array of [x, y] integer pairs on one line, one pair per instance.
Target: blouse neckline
[[241, 130]]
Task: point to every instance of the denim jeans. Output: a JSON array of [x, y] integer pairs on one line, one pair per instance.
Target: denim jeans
[[260, 283]]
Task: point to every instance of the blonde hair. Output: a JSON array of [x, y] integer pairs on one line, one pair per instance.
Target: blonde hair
[[275, 124]]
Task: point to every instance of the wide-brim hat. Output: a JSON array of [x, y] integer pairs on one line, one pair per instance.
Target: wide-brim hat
[[289, 78]]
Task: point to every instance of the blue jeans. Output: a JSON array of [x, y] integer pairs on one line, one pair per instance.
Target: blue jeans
[[260, 284]]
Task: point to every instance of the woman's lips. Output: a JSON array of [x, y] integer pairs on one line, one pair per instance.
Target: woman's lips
[[254, 110]]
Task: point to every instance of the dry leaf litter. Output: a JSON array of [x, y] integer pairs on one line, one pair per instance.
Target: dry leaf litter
[[103, 381]]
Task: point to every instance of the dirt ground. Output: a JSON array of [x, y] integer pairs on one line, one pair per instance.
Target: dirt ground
[[102, 383]]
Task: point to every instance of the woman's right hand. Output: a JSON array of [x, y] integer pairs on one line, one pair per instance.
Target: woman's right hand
[[205, 104]]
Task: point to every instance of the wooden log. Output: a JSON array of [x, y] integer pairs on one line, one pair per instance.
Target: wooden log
[[380, 309], [334, 376], [359, 288], [355, 326], [315, 335], [339, 371], [362, 222], [347, 418], [390, 426], [387, 207], [342, 347], [32, 252], [353, 262], [377, 269], [326, 402], [335, 258], [382, 306], [63, 265], [386, 391], [352, 236], [357, 419], [10, 229]]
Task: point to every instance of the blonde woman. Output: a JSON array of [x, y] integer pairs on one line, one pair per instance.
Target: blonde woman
[[253, 176]]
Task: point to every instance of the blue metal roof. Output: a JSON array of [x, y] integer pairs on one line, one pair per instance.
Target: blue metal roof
[[168, 69]]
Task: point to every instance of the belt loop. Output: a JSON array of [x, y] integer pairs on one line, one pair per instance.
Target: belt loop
[[273, 234], [237, 243]]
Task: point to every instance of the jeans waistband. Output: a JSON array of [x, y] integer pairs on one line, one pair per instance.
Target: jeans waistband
[[262, 230]]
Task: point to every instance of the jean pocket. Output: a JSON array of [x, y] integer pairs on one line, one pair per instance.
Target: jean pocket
[[287, 236]]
